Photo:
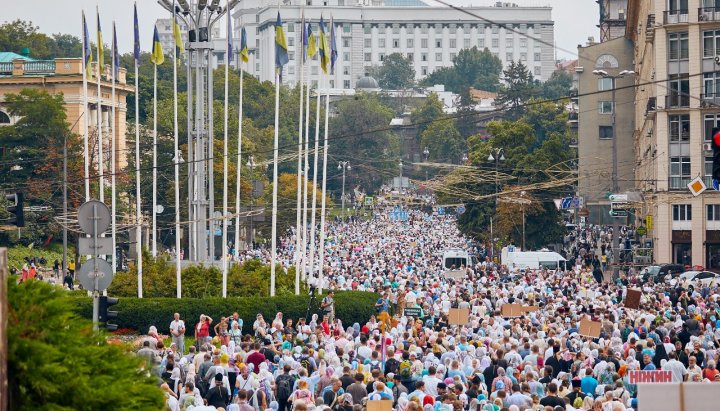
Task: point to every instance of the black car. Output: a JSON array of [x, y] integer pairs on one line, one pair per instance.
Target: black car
[[659, 273]]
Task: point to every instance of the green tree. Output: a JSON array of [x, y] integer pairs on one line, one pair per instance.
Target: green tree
[[430, 110], [444, 141], [362, 134], [518, 89], [67, 45], [19, 34], [471, 68], [396, 73], [57, 362], [557, 86]]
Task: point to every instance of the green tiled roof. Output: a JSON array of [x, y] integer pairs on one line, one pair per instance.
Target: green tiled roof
[[9, 56]]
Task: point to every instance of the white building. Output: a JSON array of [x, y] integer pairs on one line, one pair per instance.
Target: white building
[[430, 36]]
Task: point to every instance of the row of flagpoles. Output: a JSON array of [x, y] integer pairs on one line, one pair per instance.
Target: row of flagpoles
[[305, 243]]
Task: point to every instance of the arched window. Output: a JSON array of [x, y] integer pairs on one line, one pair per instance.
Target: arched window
[[4, 118]]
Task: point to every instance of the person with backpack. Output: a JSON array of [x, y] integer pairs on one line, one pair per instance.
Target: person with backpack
[[332, 394], [302, 394], [218, 396], [405, 372], [284, 384]]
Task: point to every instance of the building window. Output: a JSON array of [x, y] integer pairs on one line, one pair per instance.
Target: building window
[[368, 43], [710, 121], [466, 43], [679, 172], [605, 132], [481, 44], [381, 29], [679, 127], [523, 56], [346, 56], [368, 56], [381, 56], [291, 55], [713, 212], [711, 85], [396, 43], [346, 70], [538, 70], [508, 57], [453, 43], [678, 6], [424, 43], [605, 84], [410, 43], [682, 212], [605, 107], [423, 56], [452, 29], [291, 27], [678, 48], [438, 56], [291, 41], [313, 70], [346, 83], [679, 90], [4, 118], [523, 42], [495, 29], [381, 43], [438, 44], [424, 29], [411, 56], [346, 28], [346, 42], [291, 70], [424, 71], [495, 43], [396, 30], [708, 172], [452, 56], [537, 57], [711, 43], [367, 29]]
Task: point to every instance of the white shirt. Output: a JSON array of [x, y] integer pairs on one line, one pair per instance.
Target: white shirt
[[431, 383], [177, 325], [677, 368]]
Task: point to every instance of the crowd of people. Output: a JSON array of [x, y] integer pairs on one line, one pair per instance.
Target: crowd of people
[[539, 361]]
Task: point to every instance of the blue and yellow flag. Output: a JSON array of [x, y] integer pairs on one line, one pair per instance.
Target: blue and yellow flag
[[311, 50], [157, 56], [136, 48], [324, 48], [87, 51], [281, 48], [244, 52], [179, 46], [100, 51], [333, 46]]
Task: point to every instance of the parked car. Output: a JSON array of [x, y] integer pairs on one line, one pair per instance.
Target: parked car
[[699, 278], [660, 273]]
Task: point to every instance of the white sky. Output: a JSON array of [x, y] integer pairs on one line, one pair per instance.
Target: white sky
[[575, 20]]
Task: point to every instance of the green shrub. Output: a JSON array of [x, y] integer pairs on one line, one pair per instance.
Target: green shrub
[[140, 314]]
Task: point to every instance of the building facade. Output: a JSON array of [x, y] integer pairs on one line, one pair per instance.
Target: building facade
[[677, 104], [594, 123], [430, 37], [64, 75]]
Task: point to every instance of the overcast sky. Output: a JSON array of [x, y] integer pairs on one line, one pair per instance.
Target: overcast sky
[[575, 20]]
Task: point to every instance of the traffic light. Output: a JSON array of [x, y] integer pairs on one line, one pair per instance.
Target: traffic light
[[716, 153], [104, 315], [17, 201]]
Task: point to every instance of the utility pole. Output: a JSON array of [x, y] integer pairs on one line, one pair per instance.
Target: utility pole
[[343, 165], [65, 210]]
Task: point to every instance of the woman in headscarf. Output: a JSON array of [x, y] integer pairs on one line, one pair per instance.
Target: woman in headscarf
[[660, 354], [501, 377]]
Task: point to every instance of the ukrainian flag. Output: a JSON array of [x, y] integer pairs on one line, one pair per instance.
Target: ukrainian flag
[[100, 51], [324, 48], [157, 56], [87, 51], [310, 42], [281, 48], [244, 53], [179, 47]]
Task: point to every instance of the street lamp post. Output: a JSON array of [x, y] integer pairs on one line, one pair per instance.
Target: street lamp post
[[401, 175], [615, 189], [426, 153], [251, 165], [496, 155], [343, 165]]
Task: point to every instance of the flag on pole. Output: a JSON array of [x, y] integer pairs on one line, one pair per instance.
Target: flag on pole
[[100, 51], [136, 49], [157, 56], [115, 55], [179, 47], [229, 37], [324, 48], [281, 48], [87, 51], [310, 42], [244, 53], [333, 46]]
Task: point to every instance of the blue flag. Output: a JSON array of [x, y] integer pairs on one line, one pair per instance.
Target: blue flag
[[281, 49], [136, 49], [87, 51], [229, 38], [333, 46], [115, 55]]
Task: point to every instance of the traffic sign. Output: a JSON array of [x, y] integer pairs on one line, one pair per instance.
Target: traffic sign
[[460, 209], [95, 269], [641, 230], [618, 213], [619, 197], [95, 246], [441, 211], [94, 217]]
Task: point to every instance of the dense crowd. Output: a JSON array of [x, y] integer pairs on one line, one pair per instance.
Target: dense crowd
[[538, 361]]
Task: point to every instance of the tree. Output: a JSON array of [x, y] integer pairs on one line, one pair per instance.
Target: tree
[[519, 88], [430, 110], [58, 362], [19, 34], [557, 86], [362, 134], [444, 141], [396, 73], [471, 68]]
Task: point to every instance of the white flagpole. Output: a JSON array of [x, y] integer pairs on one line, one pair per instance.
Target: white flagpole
[[273, 233], [154, 170], [315, 176], [324, 185], [239, 163], [176, 160], [305, 183], [101, 160], [225, 160], [113, 147], [138, 206], [298, 235], [85, 113]]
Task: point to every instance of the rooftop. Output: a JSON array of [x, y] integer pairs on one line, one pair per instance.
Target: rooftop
[[9, 56]]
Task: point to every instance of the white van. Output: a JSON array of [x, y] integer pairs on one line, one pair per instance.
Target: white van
[[455, 261], [514, 259]]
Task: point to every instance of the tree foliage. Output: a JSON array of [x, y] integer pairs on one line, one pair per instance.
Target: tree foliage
[[396, 72], [518, 89], [57, 362], [472, 67], [557, 86], [443, 141], [430, 110]]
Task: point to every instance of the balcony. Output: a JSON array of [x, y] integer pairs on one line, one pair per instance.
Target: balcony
[[677, 100], [708, 14], [574, 95], [710, 100], [573, 117], [708, 181], [675, 17], [679, 183], [651, 106], [39, 67], [6, 69], [650, 28]]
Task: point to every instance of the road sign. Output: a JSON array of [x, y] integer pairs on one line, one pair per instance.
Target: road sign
[[565, 203], [95, 246], [368, 201], [618, 213], [649, 222], [641, 230], [412, 312], [441, 211], [94, 217], [716, 184], [460, 209], [619, 197], [95, 268]]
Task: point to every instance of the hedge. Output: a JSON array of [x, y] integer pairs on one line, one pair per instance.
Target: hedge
[[140, 314]]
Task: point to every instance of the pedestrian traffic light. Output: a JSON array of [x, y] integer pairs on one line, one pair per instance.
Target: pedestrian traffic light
[[104, 315], [17, 201], [716, 153]]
